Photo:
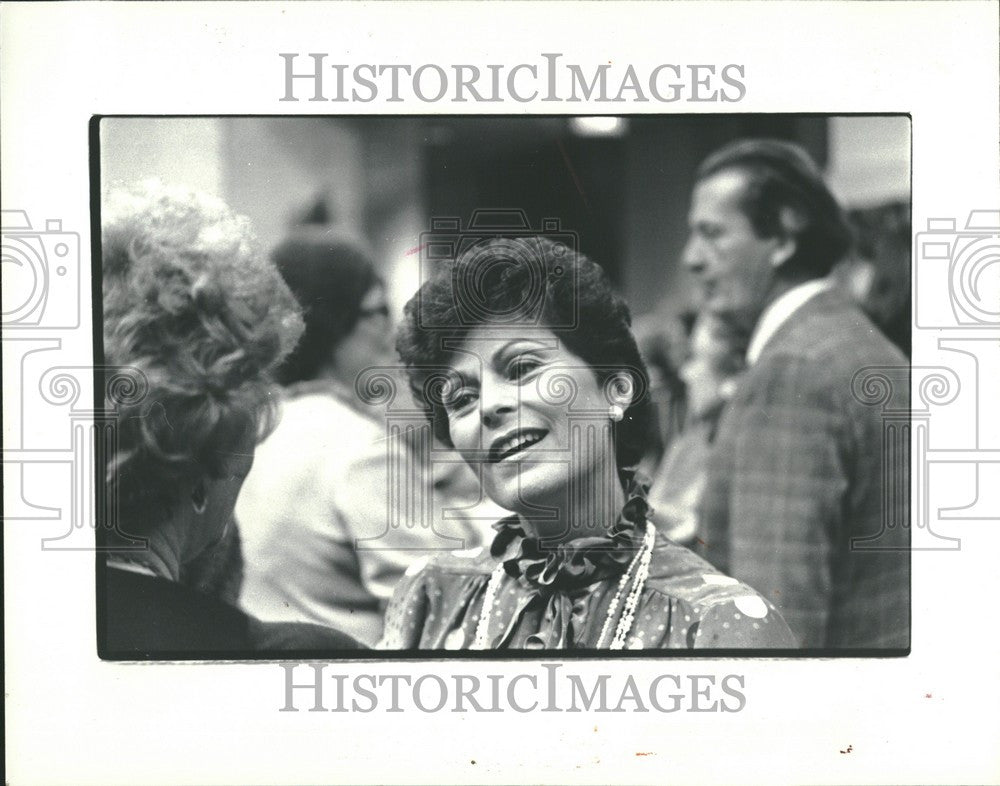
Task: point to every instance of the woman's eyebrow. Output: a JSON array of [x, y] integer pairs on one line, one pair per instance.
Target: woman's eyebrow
[[464, 367], [511, 347], [455, 380]]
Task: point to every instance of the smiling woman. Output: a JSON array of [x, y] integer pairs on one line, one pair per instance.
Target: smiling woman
[[531, 372], [503, 416]]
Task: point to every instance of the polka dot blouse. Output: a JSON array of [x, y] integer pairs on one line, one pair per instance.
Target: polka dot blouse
[[684, 604]]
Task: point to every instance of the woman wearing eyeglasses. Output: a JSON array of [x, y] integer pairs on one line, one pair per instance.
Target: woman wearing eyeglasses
[[318, 486], [524, 360]]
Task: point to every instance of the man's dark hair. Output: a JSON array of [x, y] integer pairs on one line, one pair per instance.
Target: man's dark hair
[[559, 287], [785, 195]]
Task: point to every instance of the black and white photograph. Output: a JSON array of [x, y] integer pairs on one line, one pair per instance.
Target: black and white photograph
[[479, 393], [505, 383]]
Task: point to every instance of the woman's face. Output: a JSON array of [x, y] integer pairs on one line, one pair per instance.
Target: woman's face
[[370, 343], [531, 413], [220, 499]]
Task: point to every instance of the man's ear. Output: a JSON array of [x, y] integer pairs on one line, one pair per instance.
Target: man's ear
[[792, 223], [783, 252]]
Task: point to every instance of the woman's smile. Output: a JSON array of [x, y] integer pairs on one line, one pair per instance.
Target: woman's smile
[[514, 443], [507, 411]]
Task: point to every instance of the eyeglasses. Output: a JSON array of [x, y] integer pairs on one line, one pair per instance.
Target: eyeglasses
[[375, 311]]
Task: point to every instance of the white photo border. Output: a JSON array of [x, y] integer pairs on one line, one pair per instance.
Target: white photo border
[[76, 719]]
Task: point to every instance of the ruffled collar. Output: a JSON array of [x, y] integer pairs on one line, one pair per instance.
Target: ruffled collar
[[575, 563]]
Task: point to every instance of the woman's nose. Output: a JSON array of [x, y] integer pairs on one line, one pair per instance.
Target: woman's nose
[[497, 400]]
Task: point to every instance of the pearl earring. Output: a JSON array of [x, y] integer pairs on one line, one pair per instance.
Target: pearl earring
[[616, 412]]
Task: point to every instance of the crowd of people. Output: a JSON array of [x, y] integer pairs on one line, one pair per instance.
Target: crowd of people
[[705, 482]]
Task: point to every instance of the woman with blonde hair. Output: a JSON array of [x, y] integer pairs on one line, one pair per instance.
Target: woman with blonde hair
[[199, 319]]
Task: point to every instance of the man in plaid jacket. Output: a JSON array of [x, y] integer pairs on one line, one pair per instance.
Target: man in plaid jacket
[[796, 502]]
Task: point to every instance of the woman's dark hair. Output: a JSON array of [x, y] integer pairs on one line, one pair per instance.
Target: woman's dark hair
[[329, 274], [786, 196], [511, 282], [197, 319]]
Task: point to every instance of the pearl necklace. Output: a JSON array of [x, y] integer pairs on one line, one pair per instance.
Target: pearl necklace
[[639, 564]]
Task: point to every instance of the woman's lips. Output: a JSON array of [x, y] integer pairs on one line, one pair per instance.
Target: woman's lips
[[515, 443]]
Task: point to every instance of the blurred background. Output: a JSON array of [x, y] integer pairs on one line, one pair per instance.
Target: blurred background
[[622, 184]]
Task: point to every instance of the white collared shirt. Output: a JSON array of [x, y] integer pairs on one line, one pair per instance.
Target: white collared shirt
[[779, 312]]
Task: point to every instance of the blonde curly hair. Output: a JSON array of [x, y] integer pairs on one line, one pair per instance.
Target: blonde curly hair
[[203, 318]]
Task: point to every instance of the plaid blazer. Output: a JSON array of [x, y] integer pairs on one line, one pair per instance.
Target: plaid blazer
[[793, 504]]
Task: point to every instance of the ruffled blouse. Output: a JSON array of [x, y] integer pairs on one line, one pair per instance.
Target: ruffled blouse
[[558, 597]]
